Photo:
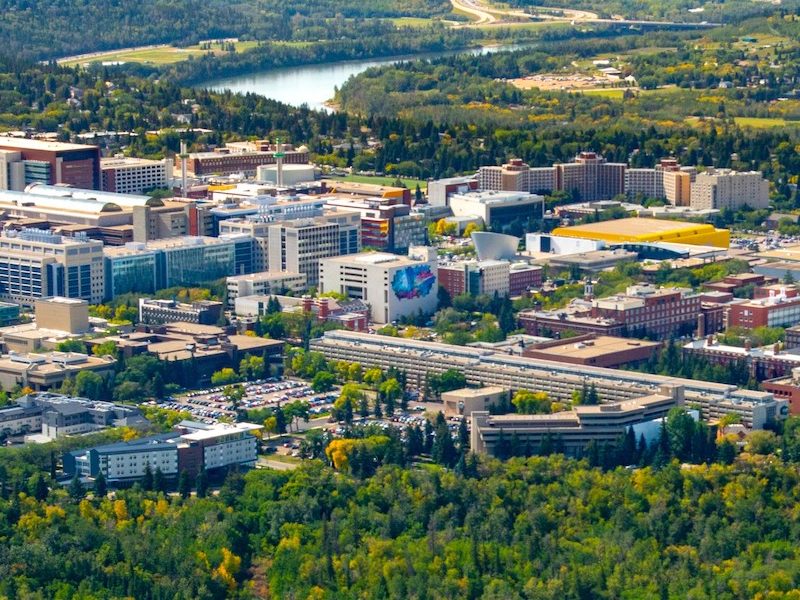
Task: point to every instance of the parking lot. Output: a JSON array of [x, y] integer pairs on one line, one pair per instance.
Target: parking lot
[[209, 405]]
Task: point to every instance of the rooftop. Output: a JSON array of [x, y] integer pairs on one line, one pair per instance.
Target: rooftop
[[635, 226], [586, 349], [28, 144], [477, 392]]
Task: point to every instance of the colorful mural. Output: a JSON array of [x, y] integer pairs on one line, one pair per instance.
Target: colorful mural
[[413, 282]]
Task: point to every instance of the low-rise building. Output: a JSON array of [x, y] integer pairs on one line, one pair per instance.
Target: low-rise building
[[476, 277], [592, 349], [49, 416], [573, 429], [264, 283], [440, 190], [482, 366], [786, 388], [781, 308], [193, 448], [157, 312], [46, 371], [463, 402], [499, 210]]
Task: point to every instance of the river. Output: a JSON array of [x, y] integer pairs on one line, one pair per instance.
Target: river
[[314, 85]]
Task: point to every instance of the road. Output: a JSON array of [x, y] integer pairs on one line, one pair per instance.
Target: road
[[489, 16], [471, 7], [104, 53]]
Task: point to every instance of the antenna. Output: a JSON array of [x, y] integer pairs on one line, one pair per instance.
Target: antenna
[[183, 156], [279, 154]]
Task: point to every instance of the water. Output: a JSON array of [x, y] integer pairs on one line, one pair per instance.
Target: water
[[314, 85]]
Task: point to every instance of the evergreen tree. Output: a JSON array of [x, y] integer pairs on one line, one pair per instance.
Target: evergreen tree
[[40, 489], [377, 411], [76, 490], [463, 436], [627, 451], [592, 399], [100, 487], [147, 479], [443, 451], [427, 437], [280, 419], [159, 483], [726, 452], [184, 484], [202, 484], [363, 406]]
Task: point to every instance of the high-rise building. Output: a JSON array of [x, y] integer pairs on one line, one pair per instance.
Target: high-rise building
[[590, 177], [36, 263], [144, 268], [723, 188], [393, 286], [299, 245], [55, 162]]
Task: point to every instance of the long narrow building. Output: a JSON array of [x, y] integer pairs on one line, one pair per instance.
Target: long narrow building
[[483, 367]]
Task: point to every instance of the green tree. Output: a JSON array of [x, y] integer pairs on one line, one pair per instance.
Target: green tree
[[100, 487], [184, 484], [76, 490], [225, 376], [201, 483]]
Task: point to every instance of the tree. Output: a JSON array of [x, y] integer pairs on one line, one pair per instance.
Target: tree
[[224, 376], [100, 487], [147, 479], [108, 348], [159, 483], [184, 484], [71, 346], [527, 402], [201, 483], [443, 450], [76, 490], [40, 489], [390, 390], [323, 382]]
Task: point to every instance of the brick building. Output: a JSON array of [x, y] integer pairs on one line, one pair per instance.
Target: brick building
[[51, 163]]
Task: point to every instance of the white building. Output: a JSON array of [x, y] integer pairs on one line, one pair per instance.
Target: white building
[[498, 209], [393, 286], [290, 174], [135, 175], [723, 188], [264, 283]]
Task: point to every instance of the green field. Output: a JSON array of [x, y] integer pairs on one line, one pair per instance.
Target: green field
[[161, 55], [408, 182], [612, 93], [764, 122]]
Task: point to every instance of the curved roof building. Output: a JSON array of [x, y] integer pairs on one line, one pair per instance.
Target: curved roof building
[[495, 246], [71, 194]]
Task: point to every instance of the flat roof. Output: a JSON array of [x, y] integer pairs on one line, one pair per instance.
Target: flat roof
[[599, 346], [28, 144], [265, 276], [220, 430], [634, 226], [489, 390]]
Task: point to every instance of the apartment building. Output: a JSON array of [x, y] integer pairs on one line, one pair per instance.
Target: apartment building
[[666, 180], [574, 429], [36, 263], [33, 161], [264, 283], [482, 367], [393, 286], [194, 447], [723, 188], [125, 175]]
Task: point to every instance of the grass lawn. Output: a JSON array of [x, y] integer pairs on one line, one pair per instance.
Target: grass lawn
[[408, 182], [412, 22], [162, 55], [764, 123], [612, 93]]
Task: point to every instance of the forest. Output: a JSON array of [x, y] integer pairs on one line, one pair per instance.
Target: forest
[[45, 29], [544, 527]]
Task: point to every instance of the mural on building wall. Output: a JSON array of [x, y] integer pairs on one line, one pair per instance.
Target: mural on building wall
[[413, 282]]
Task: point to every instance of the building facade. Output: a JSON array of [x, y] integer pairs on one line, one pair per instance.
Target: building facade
[[723, 188], [51, 163], [135, 175]]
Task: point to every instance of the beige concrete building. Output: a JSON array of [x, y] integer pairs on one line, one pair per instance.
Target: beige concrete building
[[36, 264], [65, 314], [42, 372], [574, 429], [723, 188], [264, 283], [465, 401]]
